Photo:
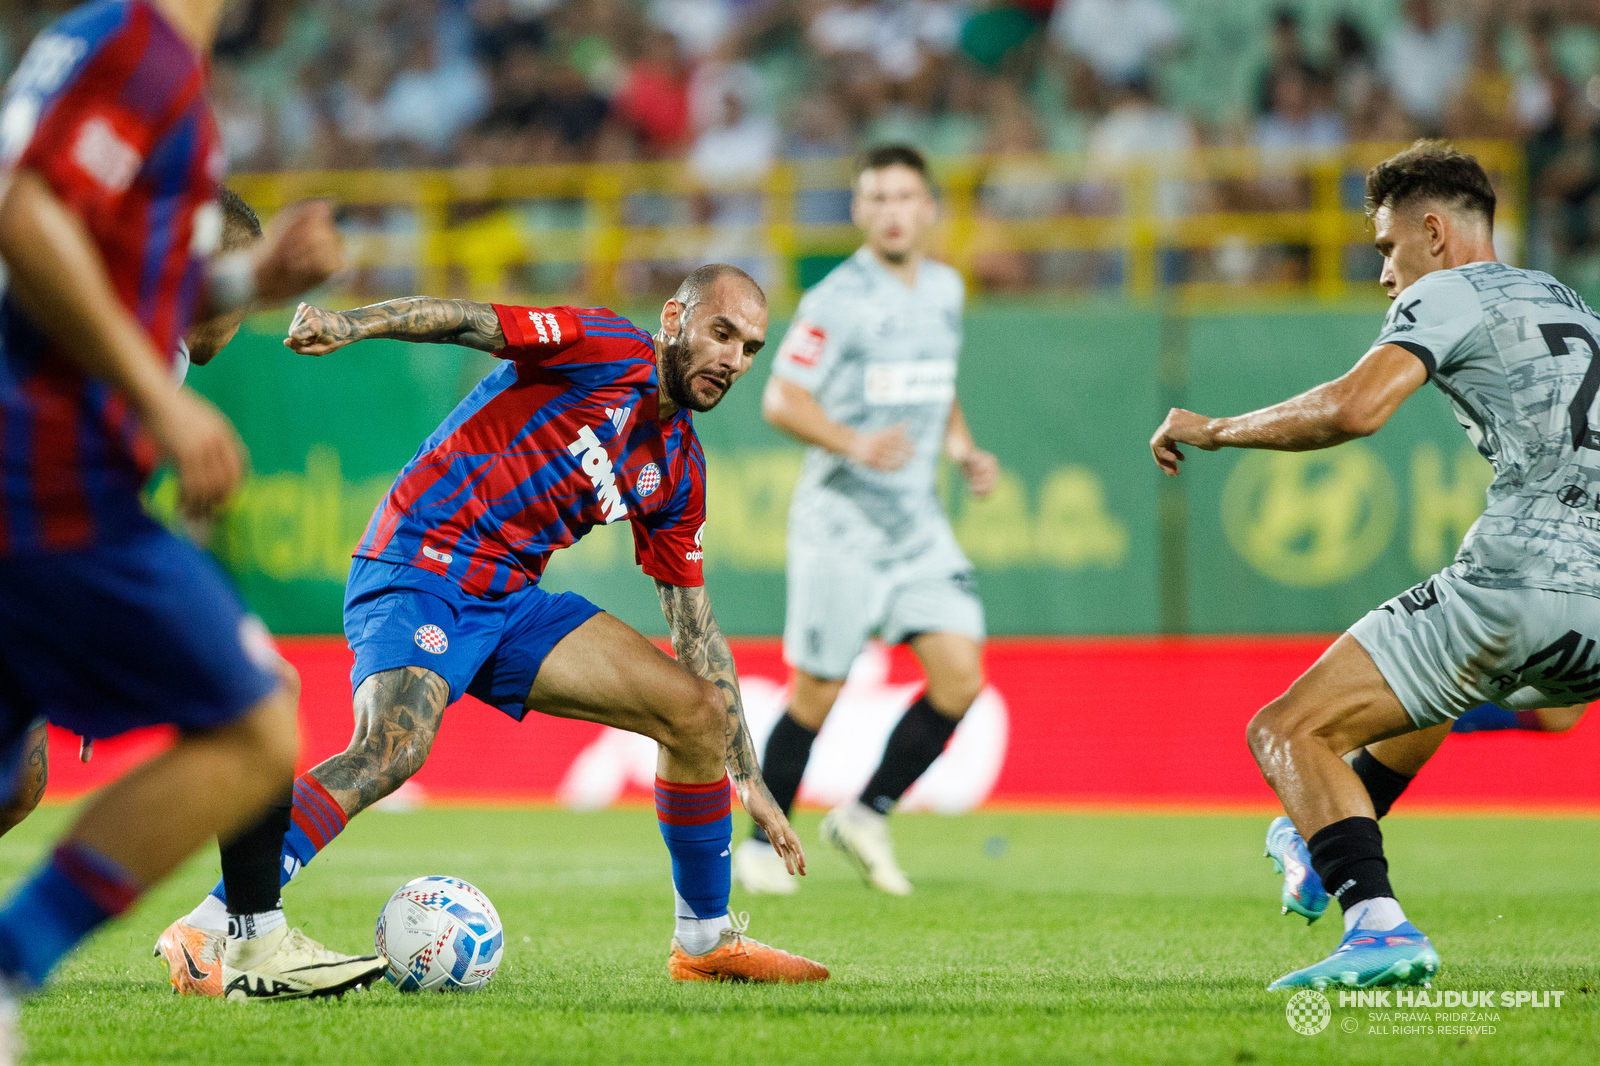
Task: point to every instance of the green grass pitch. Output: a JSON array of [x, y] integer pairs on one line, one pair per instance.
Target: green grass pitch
[[1032, 938]]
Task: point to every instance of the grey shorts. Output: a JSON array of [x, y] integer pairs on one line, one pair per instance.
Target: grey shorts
[[1447, 645], [837, 599]]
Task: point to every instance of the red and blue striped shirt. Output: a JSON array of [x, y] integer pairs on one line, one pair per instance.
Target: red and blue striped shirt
[[562, 437], [108, 107]]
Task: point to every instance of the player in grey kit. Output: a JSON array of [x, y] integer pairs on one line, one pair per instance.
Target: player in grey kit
[[1517, 613], [867, 377]]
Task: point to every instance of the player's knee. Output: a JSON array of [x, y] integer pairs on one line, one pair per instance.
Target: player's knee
[[954, 695], [1264, 733], [697, 723], [268, 739]]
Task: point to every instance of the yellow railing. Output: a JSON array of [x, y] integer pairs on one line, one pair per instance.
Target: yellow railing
[[602, 227]]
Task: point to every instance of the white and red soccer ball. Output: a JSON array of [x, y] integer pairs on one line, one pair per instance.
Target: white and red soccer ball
[[439, 934]]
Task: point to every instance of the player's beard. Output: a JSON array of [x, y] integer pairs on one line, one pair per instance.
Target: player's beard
[[677, 379]]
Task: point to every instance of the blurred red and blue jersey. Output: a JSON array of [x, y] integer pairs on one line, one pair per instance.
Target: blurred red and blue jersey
[[562, 437], [107, 107]]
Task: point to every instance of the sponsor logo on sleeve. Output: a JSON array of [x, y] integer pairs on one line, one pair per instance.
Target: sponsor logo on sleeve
[[546, 326], [804, 344], [597, 465], [698, 554]]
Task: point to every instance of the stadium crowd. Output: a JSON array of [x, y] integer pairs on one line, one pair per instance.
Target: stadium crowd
[[731, 86]]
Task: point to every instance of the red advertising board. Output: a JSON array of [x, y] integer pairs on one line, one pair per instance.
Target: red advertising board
[[1121, 722]]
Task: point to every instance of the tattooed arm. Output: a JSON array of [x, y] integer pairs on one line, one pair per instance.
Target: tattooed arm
[[415, 318], [698, 642]]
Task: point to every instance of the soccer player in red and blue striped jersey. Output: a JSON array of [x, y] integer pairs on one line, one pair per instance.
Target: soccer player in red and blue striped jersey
[[108, 218], [587, 422]]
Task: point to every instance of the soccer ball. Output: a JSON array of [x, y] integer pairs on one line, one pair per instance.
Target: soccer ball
[[439, 934]]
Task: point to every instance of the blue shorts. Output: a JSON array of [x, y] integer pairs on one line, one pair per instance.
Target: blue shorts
[[397, 615], [144, 630]]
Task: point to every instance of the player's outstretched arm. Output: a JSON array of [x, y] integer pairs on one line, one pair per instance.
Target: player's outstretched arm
[[1355, 405], [316, 331], [698, 642]]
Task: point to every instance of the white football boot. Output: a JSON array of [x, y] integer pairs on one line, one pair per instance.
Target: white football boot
[[760, 869], [863, 836], [287, 964]]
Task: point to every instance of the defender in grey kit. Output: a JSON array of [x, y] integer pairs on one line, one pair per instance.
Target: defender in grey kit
[[1515, 619], [867, 377]]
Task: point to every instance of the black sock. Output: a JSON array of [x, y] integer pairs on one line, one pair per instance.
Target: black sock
[[784, 762], [1348, 856], [1383, 784], [252, 861], [914, 744]]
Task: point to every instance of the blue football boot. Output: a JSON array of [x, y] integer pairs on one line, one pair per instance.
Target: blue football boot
[[1368, 958], [1302, 888]]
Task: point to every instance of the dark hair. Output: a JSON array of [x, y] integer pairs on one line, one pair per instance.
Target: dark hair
[[239, 221], [892, 155], [701, 279], [1430, 170]]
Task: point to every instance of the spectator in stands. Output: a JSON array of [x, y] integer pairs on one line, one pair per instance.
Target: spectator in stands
[[654, 96], [1484, 105], [429, 102], [1285, 48], [1425, 61], [1539, 86], [701, 26], [1298, 118], [1139, 130], [738, 145], [1353, 72], [1121, 40]]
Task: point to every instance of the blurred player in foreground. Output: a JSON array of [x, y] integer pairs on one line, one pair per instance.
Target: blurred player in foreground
[[867, 377], [587, 422], [1517, 354], [241, 229], [107, 216]]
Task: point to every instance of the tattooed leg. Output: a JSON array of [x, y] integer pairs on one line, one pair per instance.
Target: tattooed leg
[[32, 774], [397, 716]]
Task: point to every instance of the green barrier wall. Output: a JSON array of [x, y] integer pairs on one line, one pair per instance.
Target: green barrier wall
[[1082, 536]]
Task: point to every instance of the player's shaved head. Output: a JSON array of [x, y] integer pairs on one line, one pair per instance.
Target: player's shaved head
[[241, 229], [711, 330], [1431, 172], [702, 282]]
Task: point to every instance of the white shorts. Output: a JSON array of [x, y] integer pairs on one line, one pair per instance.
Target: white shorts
[[837, 599], [1448, 645]]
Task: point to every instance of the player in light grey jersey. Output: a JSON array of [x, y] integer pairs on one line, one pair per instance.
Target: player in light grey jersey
[[1515, 619], [867, 377]]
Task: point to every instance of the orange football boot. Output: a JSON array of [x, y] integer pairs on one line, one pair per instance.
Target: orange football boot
[[738, 957], [195, 958]]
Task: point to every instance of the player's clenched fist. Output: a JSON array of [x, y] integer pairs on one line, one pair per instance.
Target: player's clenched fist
[[302, 249], [1180, 427], [315, 331], [886, 449], [204, 448]]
